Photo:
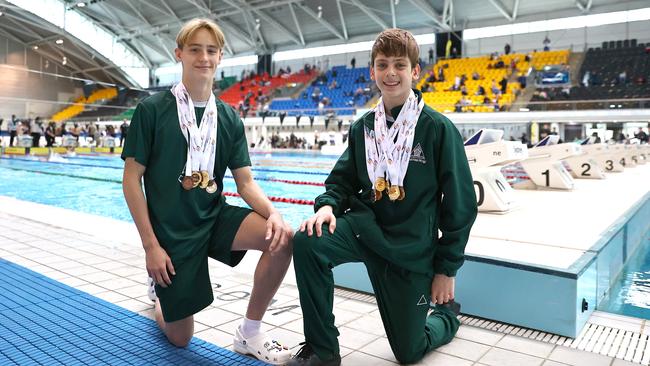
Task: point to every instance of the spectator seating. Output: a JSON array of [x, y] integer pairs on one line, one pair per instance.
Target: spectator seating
[[236, 93], [77, 108], [443, 99], [608, 63], [544, 58], [604, 81], [341, 98], [125, 98]]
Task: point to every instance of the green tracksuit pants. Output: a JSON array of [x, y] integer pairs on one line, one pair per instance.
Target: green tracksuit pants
[[402, 296]]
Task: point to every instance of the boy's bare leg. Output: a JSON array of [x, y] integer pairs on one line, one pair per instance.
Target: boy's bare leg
[[179, 333], [270, 269]]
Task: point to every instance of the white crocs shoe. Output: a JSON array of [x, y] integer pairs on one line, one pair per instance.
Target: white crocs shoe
[[151, 291], [262, 347]]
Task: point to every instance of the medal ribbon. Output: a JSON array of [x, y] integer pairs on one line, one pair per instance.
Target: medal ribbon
[[388, 150], [201, 140]]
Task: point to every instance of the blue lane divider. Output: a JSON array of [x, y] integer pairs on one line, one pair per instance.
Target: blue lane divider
[[120, 168], [45, 322]]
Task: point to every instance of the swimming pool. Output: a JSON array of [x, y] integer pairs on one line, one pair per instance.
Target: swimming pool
[[92, 184]]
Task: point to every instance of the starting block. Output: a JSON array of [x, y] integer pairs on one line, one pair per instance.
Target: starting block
[[24, 141], [643, 153], [69, 141], [620, 155], [107, 141], [545, 166], [588, 165], [631, 159], [605, 155], [486, 152]]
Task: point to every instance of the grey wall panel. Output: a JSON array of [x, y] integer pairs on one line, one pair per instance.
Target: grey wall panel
[[21, 78], [15, 53]]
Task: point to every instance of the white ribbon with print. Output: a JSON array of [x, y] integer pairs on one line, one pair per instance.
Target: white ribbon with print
[[201, 140], [388, 150]]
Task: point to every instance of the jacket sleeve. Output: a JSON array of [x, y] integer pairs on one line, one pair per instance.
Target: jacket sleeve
[[458, 207], [342, 181]]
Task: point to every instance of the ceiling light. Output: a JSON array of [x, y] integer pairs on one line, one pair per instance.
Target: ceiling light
[[35, 47], [1, 13], [64, 61], [59, 41], [81, 5], [320, 11], [257, 24]]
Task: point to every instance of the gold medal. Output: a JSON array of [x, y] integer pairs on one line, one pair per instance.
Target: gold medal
[[377, 195], [393, 192], [402, 194], [212, 187], [187, 183], [205, 179], [196, 179], [380, 184]]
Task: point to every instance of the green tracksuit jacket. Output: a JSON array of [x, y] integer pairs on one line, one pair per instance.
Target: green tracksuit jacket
[[439, 197]]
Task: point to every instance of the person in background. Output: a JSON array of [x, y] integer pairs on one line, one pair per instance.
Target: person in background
[[13, 129], [50, 134], [546, 43], [642, 136], [36, 131], [124, 129]]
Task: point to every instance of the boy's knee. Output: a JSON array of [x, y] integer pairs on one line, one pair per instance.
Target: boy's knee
[[405, 352], [407, 356], [305, 246], [179, 340]]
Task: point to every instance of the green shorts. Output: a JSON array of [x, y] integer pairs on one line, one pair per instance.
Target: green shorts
[[191, 290]]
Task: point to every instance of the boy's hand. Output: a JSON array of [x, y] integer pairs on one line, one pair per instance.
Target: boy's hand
[[442, 289], [324, 215], [159, 265], [279, 230]]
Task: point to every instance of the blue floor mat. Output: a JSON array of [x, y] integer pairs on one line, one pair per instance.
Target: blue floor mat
[[45, 322]]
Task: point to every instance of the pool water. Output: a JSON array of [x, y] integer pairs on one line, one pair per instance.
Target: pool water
[[92, 184], [630, 295]]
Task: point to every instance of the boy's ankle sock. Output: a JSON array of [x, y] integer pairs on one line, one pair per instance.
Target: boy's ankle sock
[[250, 328]]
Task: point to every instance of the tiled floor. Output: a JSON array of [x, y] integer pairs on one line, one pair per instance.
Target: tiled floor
[[109, 264]]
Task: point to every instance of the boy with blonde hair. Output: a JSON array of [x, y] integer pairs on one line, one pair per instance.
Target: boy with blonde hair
[[403, 178], [181, 141]]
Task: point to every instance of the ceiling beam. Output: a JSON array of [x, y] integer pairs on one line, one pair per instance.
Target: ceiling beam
[[392, 12], [431, 13], [263, 16], [322, 21], [448, 13], [223, 23], [295, 20], [166, 52], [515, 10], [370, 13], [501, 8], [584, 7], [25, 29], [252, 29]]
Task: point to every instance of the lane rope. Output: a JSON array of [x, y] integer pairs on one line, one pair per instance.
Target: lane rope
[[296, 201], [120, 168]]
